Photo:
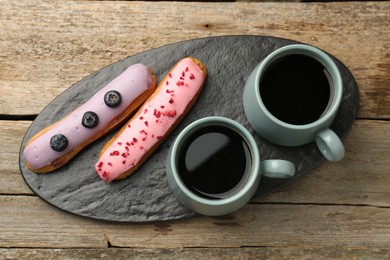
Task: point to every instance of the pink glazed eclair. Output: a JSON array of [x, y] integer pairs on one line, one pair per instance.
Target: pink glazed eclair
[[55, 145], [153, 122]]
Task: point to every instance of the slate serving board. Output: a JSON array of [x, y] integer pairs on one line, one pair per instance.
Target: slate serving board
[[145, 195]]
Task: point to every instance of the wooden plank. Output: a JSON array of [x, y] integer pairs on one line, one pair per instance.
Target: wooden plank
[[269, 253], [27, 221], [267, 225], [70, 39], [12, 133], [360, 178]]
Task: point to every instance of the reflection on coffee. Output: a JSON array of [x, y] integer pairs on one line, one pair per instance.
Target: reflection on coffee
[[215, 162], [296, 89]]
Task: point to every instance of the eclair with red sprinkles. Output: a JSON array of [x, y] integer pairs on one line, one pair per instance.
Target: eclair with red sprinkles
[[157, 117]]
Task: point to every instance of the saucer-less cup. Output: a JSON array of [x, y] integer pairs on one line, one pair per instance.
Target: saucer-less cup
[[286, 134], [245, 188]]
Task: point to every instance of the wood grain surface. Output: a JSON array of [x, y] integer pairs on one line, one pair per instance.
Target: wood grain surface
[[48, 46], [337, 211]]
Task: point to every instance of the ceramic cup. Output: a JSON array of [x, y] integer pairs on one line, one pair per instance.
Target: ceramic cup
[[287, 134], [215, 155]]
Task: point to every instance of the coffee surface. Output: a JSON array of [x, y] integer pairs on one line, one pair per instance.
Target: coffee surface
[[296, 89], [215, 162]]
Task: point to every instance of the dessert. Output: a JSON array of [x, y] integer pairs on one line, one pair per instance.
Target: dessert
[[153, 122], [55, 145]]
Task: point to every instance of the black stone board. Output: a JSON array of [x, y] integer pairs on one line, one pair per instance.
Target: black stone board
[[146, 195]]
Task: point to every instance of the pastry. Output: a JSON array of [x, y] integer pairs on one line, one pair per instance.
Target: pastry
[[55, 145], [153, 122]]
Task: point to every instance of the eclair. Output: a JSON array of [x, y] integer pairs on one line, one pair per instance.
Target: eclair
[[154, 120], [55, 145]]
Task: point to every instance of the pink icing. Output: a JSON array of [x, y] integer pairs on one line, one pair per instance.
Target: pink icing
[[157, 116], [134, 81]]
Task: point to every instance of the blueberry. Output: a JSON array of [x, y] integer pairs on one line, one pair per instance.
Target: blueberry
[[58, 142], [90, 119], [112, 98]]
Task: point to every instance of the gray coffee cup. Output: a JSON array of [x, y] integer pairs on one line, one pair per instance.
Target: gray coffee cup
[[248, 186], [286, 134]]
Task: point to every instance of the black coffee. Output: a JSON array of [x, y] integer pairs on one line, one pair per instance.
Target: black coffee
[[296, 89], [215, 162]]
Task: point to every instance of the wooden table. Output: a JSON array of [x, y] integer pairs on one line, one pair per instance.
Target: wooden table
[[338, 210]]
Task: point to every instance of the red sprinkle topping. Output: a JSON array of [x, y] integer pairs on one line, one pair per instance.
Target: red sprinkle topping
[[127, 143], [128, 126], [180, 83], [162, 106], [100, 164], [119, 143], [145, 111], [186, 69], [124, 161], [170, 113], [167, 83], [181, 78], [141, 117], [146, 123], [127, 148], [183, 74], [143, 139], [171, 101], [192, 76], [143, 132], [135, 140], [109, 164], [170, 75], [169, 91], [124, 155], [132, 143], [114, 153], [141, 147], [159, 137]]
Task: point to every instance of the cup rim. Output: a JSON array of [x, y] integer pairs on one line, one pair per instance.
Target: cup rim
[[216, 121], [321, 57]]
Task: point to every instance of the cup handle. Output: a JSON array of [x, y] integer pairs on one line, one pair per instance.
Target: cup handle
[[330, 145], [277, 168]]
